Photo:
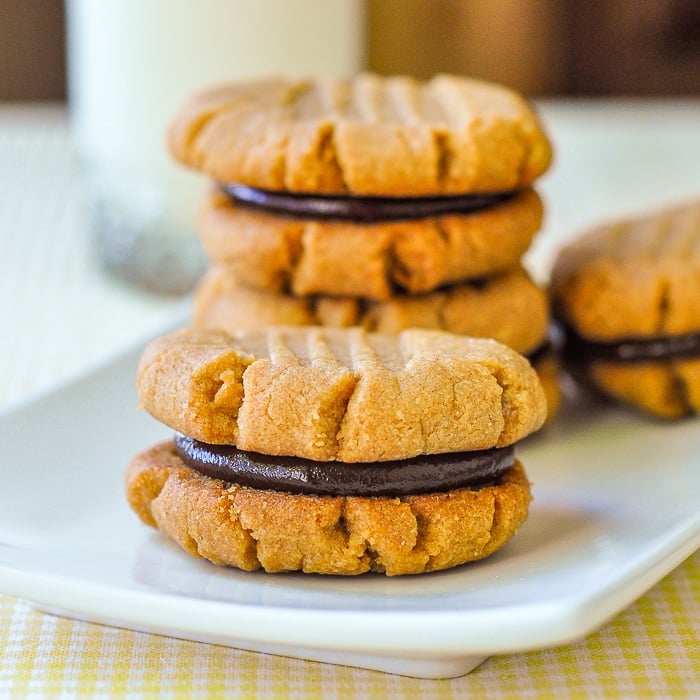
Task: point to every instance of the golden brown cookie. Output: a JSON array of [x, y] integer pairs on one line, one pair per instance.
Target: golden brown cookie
[[627, 294], [251, 528], [508, 307], [367, 135], [371, 260], [341, 394]]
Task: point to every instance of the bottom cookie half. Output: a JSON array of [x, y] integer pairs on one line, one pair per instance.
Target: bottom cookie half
[[278, 531], [668, 389]]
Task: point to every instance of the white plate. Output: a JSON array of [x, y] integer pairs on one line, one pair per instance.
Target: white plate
[[615, 509]]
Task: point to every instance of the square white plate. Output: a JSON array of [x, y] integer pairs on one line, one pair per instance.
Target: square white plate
[[615, 509]]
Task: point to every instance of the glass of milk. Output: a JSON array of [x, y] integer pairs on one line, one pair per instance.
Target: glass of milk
[[132, 63]]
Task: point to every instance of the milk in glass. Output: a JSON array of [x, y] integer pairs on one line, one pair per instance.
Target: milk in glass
[[132, 63]]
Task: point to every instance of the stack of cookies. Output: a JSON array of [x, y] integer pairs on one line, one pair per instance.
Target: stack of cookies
[[385, 203]]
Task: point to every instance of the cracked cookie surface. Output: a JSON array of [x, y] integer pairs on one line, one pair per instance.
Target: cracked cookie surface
[[343, 394], [250, 528], [367, 135]]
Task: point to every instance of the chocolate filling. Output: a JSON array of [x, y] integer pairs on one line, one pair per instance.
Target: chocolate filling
[[360, 209], [423, 474], [581, 350]]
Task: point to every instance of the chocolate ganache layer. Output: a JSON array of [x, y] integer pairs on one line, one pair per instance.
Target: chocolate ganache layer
[[423, 474], [578, 349], [360, 209]]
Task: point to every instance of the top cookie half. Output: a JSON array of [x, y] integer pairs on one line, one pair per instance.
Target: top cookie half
[[636, 277], [367, 135], [341, 394]]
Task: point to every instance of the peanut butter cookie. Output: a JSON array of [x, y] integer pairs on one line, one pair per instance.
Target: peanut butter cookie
[[305, 256], [335, 451], [367, 135], [249, 528], [341, 394], [627, 295], [508, 307]]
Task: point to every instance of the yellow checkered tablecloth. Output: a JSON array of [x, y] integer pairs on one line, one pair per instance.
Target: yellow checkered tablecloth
[[651, 650], [50, 291]]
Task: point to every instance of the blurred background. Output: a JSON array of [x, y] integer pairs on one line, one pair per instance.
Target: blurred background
[[541, 47], [111, 199]]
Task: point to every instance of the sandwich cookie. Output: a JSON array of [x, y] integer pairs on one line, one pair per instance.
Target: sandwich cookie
[[335, 451], [627, 296]]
